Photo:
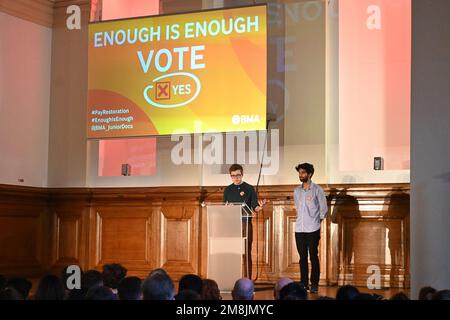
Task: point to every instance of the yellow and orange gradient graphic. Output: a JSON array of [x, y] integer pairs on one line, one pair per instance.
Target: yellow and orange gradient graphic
[[190, 73]]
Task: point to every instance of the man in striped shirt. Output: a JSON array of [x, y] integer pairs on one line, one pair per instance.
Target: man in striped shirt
[[311, 205]]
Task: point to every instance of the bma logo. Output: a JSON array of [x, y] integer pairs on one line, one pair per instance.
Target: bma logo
[[244, 119]]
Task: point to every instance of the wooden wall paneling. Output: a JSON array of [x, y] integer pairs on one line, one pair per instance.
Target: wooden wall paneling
[[263, 251], [93, 238], [373, 230], [20, 237], [23, 231], [323, 253], [373, 242], [69, 226], [143, 202], [67, 237], [155, 241], [333, 255], [203, 243], [290, 266], [123, 235], [406, 247], [180, 238], [43, 230]]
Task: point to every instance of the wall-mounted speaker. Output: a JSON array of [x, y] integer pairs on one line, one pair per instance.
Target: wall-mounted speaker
[[378, 163], [126, 169]]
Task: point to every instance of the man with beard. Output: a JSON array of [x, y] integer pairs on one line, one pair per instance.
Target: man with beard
[[311, 206]]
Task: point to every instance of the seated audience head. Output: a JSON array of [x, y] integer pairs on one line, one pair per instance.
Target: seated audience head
[[158, 287], [3, 282], [426, 293], [442, 295], [112, 274], [76, 294], [244, 289], [21, 285], [10, 294], [130, 289], [210, 290], [347, 292], [366, 296], [187, 294], [293, 291], [50, 288], [91, 278], [100, 293], [157, 271], [279, 285], [399, 296], [190, 282]]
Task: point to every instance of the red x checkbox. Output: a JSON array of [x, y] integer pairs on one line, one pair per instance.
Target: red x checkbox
[[162, 90]]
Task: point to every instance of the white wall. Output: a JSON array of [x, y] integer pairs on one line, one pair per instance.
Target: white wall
[[304, 103], [67, 146], [430, 151], [25, 65]]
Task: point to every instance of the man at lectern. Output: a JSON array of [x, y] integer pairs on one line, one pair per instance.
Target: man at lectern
[[242, 192]]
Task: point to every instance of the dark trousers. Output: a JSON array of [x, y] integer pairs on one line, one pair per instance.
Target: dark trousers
[[308, 242], [248, 247]]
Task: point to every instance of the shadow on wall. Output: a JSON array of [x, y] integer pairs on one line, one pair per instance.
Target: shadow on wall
[[387, 235], [345, 206], [397, 203]]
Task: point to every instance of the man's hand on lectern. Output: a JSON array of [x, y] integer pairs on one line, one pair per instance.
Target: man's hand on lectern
[[261, 204]]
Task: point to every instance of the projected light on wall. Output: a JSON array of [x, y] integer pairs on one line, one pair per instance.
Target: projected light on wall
[[139, 154], [374, 83]]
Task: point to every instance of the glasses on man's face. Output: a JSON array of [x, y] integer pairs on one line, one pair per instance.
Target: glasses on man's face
[[235, 175]]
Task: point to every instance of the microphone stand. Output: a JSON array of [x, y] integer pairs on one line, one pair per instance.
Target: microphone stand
[[256, 190]]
